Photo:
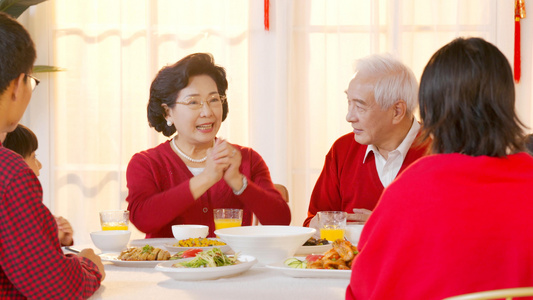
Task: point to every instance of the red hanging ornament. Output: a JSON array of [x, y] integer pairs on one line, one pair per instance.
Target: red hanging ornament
[[267, 15], [519, 13]]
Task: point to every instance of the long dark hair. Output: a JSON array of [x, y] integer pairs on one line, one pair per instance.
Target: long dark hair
[[467, 100], [172, 79]]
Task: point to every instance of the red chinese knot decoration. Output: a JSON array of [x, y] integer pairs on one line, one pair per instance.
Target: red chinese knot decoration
[[267, 15], [519, 13]]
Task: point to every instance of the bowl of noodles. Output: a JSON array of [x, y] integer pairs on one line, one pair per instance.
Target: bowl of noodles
[[269, 244]]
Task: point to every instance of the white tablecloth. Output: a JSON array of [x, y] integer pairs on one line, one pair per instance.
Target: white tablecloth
[[257, 283]]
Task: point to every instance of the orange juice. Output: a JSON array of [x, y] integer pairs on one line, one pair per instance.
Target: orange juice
[[225, 223], [331, 234], [115, 226]]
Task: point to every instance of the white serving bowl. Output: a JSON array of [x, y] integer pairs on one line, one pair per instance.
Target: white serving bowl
[[269, 244], [183, 232], [353, 232], [111, 240]]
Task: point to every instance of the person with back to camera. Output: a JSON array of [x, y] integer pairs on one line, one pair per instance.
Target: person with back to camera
[[32, 264], [24, 142], [382, 96], [457, 221], [183, 179]]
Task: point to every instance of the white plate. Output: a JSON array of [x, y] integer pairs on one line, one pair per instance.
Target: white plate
[[113, 257], [170, 247], [320, 249], [310, 273], [155, 242], [205, 273]]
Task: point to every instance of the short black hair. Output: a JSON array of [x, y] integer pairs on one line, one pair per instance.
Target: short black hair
[[172, 79], [17, 51], [21, 140], [467, 101]]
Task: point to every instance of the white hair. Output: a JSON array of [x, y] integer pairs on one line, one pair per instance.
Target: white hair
[[393, 80]]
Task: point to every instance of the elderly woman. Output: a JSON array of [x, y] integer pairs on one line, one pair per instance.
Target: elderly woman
[[182, 180], [456, 221]]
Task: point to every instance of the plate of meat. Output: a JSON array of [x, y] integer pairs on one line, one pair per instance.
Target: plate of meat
[[135, 257], [334, 263], [310, 273]]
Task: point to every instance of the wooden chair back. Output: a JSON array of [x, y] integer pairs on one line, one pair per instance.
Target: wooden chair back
[[284, 193], [496, 294]]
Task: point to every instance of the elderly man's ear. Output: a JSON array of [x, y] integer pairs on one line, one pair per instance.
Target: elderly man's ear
[[400, 110]]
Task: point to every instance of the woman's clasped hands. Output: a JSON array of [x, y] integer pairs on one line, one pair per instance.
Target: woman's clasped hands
[[224, 161]]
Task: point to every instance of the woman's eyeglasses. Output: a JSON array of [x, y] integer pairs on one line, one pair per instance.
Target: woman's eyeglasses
[[195, 102]]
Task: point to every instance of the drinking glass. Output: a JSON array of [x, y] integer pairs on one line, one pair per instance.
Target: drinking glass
[[227, 217], [353, 231], [114, 219], [332, 224]]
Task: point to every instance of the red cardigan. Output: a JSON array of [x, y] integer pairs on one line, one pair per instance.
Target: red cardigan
[[346, 182], [450, 224], [159, 194]]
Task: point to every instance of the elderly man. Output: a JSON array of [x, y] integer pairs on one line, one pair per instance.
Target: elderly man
[[382, 96], [32, 264]]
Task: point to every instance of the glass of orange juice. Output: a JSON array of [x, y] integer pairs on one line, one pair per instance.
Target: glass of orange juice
[[114, 219], [332, 224], [227, 217]]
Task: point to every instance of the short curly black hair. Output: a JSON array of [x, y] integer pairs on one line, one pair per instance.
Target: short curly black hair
[[172, 79]]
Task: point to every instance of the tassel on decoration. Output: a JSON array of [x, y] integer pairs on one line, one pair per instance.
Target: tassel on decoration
[[267, 15], [517, 71], [519, 13]]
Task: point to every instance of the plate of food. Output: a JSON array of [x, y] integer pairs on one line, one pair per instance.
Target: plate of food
[[207, 265], [314, 246], [137, 257], [197, 243], [310, 273], [334, 263], [156, 242]]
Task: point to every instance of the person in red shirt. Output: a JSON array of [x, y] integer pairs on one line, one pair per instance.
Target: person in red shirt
[[32, 264], [457, 221], [24, 142], [382, 97], [183, 179]]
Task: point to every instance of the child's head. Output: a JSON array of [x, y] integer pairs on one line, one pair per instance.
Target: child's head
[[24, 142]]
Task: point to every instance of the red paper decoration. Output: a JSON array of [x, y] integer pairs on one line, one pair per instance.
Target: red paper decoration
[[267, 15], [519, 13]]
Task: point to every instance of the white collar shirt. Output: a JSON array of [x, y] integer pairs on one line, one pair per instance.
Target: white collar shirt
[[389, 168]]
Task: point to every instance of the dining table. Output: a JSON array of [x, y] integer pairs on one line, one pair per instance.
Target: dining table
[[258, 282]]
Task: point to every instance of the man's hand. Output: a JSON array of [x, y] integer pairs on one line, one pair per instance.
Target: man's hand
[[359, 215]]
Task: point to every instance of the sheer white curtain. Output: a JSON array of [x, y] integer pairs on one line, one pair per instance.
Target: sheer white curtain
[[111, 51], [286, 85], [329, 35]]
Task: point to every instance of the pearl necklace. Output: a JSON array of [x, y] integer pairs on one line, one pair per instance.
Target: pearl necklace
[[175, 147]]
